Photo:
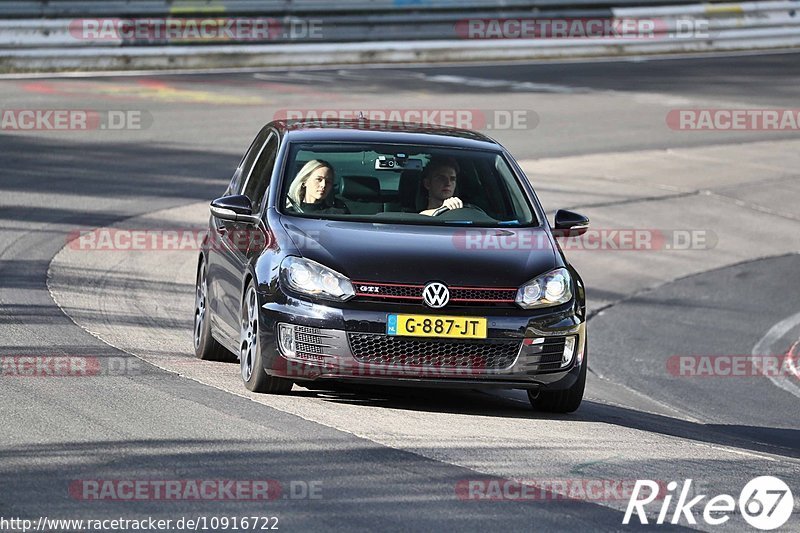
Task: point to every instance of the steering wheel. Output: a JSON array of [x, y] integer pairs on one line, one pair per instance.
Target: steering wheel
[[444, 209]]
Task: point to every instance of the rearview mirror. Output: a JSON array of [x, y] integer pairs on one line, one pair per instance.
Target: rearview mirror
[[234, 208], [569, 224]]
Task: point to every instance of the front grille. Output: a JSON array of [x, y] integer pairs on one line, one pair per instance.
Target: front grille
[[368, 291], [310, 343], [545, 356], [388, 290], [479, 294], [485, 354]]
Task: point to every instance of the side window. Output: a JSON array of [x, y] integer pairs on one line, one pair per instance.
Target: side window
[[513, 198], [259, 176], [247, 162]]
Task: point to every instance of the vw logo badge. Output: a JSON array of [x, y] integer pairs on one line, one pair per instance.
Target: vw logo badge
[[436, 294]]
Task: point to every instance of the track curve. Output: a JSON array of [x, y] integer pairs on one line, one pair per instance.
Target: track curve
[[390, 450]]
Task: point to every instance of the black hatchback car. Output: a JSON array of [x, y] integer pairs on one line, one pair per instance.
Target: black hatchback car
[[392, 254]]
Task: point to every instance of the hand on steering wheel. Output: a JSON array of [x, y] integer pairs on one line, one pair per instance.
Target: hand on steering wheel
[[454, 202], [461, 205]]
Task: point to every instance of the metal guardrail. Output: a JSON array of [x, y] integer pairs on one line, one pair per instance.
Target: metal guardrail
[[411, 30], [25, 33], [154, 8], [398, 26]]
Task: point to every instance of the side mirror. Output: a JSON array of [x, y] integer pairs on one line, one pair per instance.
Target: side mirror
[[235, 208], [569, 224]]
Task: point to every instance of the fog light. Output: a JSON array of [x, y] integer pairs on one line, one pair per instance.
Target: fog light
[[286, 339], [569, 350]]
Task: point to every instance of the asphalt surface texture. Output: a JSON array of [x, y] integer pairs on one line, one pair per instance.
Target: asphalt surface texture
[[363, 458]]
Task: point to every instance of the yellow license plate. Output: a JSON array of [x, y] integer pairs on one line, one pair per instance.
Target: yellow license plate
[[457, 327]]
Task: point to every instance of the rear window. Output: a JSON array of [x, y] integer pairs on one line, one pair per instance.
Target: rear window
[[403, 184]]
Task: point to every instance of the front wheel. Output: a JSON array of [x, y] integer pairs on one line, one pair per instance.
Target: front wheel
[[561, 401], [253, 374]]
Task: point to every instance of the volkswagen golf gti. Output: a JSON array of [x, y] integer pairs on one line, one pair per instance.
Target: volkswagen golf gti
[[393, 254]]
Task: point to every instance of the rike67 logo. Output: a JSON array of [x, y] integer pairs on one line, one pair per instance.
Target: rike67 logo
[[765, 503]]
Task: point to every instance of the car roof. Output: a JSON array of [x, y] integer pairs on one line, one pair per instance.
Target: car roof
[[382, 131]]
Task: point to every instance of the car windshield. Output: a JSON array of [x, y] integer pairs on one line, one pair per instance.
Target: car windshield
[[403, 184]]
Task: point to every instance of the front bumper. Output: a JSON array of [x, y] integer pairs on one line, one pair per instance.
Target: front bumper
[[524, 350]]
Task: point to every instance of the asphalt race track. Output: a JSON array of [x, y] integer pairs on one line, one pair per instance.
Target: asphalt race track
[[720, 278]]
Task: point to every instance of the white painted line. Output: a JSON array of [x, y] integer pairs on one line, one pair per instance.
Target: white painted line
[[765, 345], [485, 83]]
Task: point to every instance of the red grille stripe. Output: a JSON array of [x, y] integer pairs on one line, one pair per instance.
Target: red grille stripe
[[492, 294]]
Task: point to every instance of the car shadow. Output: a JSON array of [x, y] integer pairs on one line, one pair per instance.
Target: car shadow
[[514, 404]]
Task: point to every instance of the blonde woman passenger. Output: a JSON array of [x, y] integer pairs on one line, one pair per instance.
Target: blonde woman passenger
[[310, 191]]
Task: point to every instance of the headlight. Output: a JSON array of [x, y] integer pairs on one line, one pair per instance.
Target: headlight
[[553, 288], [309, 277]]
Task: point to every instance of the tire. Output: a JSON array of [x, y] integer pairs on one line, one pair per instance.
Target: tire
[[560, 401], [205, 346], [254, 376]]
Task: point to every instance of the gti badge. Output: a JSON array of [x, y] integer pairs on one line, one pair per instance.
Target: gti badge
[[369, 288]]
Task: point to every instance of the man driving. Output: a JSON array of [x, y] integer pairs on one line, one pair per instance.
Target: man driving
[[439, 180]]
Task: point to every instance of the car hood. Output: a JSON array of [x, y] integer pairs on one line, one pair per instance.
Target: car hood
[[479, 257]]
